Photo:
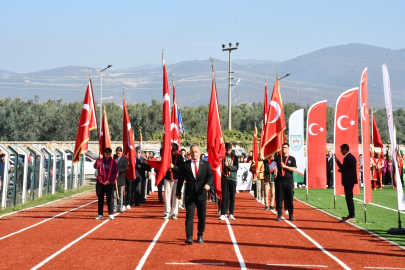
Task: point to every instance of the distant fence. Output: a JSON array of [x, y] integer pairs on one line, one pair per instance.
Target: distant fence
[[32, 169]]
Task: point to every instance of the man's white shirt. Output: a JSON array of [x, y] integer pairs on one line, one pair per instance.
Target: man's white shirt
[[193, 166]]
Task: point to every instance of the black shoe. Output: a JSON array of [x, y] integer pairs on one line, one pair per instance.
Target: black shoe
[[189, 239], [279, 218], [200, 239], [271, 208], [267, 208], [137, 204], [291, 218], [219, 212]]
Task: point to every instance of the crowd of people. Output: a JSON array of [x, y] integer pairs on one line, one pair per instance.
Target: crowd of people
[[188, 183]]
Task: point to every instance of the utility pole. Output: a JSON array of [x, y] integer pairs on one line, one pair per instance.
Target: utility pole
[[230, 49], [101, 95], [279, 79]]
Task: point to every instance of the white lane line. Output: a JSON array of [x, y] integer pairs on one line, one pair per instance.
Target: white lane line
[[69, 245], [354, 225], [196, 263], [315, 243], [43, 221], [372, 267], [145, 256], [299, 265], [395, 210], [25, 209], [235, 246]]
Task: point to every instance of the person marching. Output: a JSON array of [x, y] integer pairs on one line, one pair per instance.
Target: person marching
[[107, 172], [269, 176], [198, 175], [122, 163], [260, 179], [173, 175], [230, 166], [349, 178], [377, 169], [286, 166]]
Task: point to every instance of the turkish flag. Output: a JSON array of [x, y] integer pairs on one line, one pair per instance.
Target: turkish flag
[[128, 144], [88, 121], [346, 132], [104, 138], [365, 137], [265, 112], [275, 124], [316, 146], [376, 136], [174, 126], [166, 151], [255, 151], [215, 141]]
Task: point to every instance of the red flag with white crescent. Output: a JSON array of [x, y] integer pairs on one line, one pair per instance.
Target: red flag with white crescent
[[316, 142], [88, 121], [215, 141], [346, 132], [275, 124], [365, 137], [174, 125], [128, 144], [166, 151], [104, 138]]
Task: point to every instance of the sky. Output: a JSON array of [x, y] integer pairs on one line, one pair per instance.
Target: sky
[[38, 35]]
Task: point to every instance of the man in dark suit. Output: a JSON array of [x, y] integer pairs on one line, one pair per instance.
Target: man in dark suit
[[198, 175], [349, 178], [140, 170], [329, 169], [122, 163]]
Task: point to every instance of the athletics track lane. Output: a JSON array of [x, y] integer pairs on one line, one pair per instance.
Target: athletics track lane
[[20, 220], [217, 252], [30, 247], [262, 240], [355, 247], [119, 244]]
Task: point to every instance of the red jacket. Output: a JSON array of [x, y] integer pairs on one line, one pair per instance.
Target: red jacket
[[103, 170]]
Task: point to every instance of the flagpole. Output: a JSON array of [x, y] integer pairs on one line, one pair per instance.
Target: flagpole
[[95, 107]]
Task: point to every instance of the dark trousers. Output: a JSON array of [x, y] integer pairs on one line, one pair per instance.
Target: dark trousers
[[284, 192], [330, 179], [128, 189], [349, 199], [100, 191], [201, 213], [254, 190], [149, 187], [136, 187], [143, 190], [228, 195], [160, 190]]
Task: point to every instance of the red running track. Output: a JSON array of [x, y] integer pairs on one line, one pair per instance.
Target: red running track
[[263, 242]]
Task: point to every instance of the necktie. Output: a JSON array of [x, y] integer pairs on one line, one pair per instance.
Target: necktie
[[195, 168]]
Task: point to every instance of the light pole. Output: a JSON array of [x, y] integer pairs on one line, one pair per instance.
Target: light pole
[[279, 79], [101, 97], [230, 49]]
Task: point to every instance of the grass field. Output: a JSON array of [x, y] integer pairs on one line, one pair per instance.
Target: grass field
[[383, 219]]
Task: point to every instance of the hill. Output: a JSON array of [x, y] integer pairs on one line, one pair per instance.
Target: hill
[[322, 74]]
